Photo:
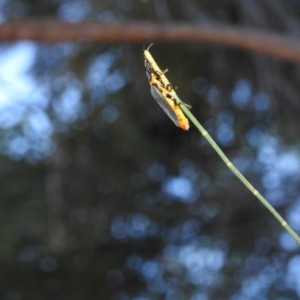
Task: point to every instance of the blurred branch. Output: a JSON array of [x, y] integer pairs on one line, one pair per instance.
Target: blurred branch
[[270, 43]]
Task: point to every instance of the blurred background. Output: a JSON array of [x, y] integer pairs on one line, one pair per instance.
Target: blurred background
[[102, 197]]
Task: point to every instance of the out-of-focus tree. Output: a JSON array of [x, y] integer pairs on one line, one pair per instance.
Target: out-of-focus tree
[[103, 197]]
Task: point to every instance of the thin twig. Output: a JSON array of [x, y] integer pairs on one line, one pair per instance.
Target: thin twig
[[270, 43]]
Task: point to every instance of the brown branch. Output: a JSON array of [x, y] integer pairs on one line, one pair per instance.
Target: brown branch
[[270, 43]]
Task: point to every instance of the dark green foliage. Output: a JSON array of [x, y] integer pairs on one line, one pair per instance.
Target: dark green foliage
[[127, 206]]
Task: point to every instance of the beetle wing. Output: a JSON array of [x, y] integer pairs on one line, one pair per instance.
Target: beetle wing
[[165, 104]]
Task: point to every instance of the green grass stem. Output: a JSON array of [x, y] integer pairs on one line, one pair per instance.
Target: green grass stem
[[242, 178]]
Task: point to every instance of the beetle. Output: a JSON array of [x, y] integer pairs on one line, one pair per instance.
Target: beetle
[[162, 91]]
